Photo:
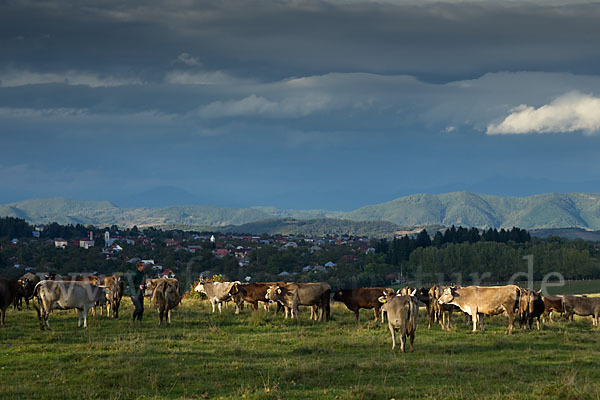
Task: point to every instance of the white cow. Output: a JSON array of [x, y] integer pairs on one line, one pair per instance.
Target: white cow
[[217, 293], [66, 295]]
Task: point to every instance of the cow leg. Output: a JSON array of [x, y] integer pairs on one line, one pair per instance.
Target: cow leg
[[169, 317], [2, 314], [412, 339], [237, 309], [393, 335], [480, 320], [403, 342], [376, 311], [474, 318], [46, 318], [511, 322]]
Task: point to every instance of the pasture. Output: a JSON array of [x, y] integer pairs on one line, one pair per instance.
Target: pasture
[[257, 355]]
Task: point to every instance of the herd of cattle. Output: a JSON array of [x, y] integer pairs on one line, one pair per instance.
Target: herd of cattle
[[88, 293]]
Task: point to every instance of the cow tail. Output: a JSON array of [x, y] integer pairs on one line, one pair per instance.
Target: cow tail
[[518, 301]]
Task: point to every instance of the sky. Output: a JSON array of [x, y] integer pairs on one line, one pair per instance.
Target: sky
[[330, 104]]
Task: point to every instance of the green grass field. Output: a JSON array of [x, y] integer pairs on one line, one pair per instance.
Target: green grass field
[[257, 355]]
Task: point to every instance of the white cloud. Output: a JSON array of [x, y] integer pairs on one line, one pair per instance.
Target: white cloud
[[571, 112], [178, 77], [13, 77], [259, 106], [188, 59]]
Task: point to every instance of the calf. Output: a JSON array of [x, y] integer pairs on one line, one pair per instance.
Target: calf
[[403, 313], [355, 299], [552, 303]]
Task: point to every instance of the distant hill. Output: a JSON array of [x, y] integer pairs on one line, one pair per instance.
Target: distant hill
[[316, 227], [544, 211]]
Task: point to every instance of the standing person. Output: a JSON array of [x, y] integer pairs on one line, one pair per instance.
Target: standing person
[[136, 291]]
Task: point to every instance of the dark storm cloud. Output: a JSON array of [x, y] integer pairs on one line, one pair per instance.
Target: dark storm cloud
[[263, 102], [277, 39]]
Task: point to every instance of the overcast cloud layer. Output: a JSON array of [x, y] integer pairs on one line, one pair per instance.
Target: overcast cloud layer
[[318, 104]]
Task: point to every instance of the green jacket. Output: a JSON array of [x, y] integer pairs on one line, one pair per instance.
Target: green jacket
[[136, 278]]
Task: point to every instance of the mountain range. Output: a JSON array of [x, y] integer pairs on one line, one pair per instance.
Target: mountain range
[[543, 211]]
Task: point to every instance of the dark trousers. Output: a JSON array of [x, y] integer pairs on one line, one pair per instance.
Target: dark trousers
[[138, 303]]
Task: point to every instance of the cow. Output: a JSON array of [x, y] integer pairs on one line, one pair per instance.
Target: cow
[[355, 299], [9, 290], [253, 293], [440, 311], [403, 314], [484, 300], [115, 287], [91, 279], [217, 293], [406, 291], [552, 303], [165, 298], [531, 305], [292, 295], [66, 295], [582, 306], [27, 282]]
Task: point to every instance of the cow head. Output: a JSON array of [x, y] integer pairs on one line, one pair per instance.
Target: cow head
[[388, 294], [237, 288], [447, 296], [273, 292], [338, 295], [200, 287]]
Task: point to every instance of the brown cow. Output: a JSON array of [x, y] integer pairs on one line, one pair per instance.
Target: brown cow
[[403, 313], [115, 287], [552, 303], [9, 290], [440, 311], [531, 305], [582, 306], [254, 293], [165, 298], [485, 300], [292, 295], [355, 299]]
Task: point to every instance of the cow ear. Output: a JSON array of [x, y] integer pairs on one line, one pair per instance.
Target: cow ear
[[413, 292], [382, 299]]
